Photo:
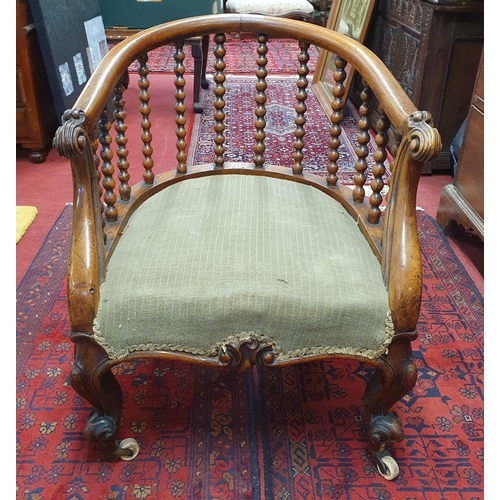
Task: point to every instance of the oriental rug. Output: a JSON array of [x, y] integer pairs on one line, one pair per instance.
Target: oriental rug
[[240, 57], [292, 433], [280, 116]]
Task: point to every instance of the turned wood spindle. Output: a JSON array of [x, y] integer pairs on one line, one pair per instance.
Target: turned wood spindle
[[94, 134], [378, 169], [121, 141], [363, 138], [180, 107], [300, 108], [107, 169], [260, 102], [394, 152], [219, 102], [338, 91], [146, 137]]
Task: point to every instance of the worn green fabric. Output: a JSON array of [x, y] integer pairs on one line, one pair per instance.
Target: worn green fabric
[[216, 257]]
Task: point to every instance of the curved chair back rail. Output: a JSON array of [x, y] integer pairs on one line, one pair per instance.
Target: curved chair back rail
[[387, 90]]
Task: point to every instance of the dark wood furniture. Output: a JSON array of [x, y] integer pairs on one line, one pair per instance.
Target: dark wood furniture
[[123, 18], [321, 11], [36, 120], [462, 201], [199, 53], [143, 276], [433, 48]]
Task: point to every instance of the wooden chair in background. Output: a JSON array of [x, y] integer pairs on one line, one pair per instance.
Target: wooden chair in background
[[292, 9]]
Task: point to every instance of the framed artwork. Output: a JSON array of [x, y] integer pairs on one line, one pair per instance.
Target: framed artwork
[[351, 18], [72, 41]]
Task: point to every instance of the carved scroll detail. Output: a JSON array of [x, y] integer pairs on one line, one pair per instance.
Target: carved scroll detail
[[425, 141], [99, 428], [71, 138], [385, 429], [245, 352]]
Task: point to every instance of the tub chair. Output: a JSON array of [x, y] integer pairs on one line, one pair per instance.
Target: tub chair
[[213, 263]]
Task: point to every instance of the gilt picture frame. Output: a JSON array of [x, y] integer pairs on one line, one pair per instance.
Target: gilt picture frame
[[351, 18]]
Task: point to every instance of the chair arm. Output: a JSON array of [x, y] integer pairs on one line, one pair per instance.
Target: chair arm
[[401, 265], [86, 255]]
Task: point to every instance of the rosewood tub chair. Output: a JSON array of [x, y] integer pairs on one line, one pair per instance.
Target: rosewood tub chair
[[212, 263]]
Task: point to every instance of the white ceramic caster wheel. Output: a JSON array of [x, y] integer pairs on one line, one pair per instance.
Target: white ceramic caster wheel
[[128, 449], [391, 468]]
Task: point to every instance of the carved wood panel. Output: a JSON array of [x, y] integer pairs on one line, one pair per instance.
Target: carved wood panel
[[400, 34], [422, 42]]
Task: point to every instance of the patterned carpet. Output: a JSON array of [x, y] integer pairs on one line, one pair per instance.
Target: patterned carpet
[[240, 56], [293, 433], [280, 127]]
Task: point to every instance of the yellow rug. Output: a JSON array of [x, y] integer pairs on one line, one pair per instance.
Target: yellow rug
[[24, 217]]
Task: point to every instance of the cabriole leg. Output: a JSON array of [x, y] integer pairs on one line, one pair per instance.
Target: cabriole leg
[[395, 377], [92, 379]]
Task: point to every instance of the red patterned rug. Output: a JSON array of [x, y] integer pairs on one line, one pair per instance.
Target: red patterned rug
[[280, 116], [293, 433], [240, 57]]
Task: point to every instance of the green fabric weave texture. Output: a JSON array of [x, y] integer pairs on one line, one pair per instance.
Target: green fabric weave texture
[[223, 256]]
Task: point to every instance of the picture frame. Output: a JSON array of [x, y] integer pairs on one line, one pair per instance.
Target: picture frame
[[352, 18]]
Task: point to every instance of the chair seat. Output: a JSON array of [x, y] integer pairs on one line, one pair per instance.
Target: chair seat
[[233, 256], [271, 8]]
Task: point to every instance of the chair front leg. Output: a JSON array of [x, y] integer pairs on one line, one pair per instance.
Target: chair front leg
[[92, 379], [394, 378]]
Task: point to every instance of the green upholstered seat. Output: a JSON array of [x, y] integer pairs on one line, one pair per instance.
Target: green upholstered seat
[[234, 256]]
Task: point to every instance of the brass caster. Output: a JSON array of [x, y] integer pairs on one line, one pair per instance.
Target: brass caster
[[128, 449], [387, 467]]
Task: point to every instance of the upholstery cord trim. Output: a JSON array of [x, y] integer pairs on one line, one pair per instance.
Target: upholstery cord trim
[[215, 349]]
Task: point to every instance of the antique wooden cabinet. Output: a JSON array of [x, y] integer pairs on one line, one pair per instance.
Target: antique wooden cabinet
[[433, 47], [36, 119], [462, 202]]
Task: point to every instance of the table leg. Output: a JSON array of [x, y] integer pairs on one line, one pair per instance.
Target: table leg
[[196, 52], [204, 49]]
